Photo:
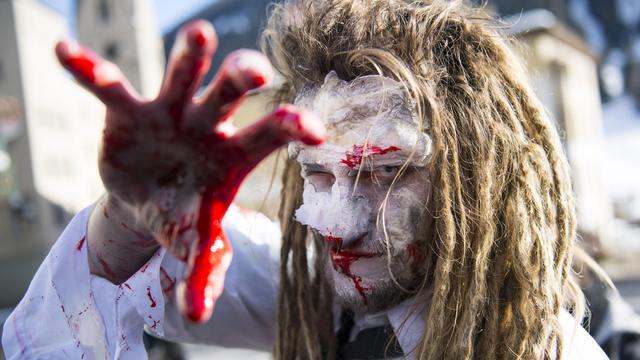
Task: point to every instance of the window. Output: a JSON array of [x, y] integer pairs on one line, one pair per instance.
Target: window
[[103, 8], [111, 51]]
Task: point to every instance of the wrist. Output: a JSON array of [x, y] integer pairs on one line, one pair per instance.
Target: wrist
[[117, 246]]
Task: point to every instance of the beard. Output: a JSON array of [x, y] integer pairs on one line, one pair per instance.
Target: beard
[[375, 290]]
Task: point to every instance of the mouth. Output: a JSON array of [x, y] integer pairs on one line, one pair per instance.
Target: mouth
[[336, 243], [342, 258]]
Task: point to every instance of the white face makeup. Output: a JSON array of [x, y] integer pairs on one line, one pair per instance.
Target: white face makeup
[[372, 131]]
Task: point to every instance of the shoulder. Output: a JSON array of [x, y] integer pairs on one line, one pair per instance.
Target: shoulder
[[577, 343]]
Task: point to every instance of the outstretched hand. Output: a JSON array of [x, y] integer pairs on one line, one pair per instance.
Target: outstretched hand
[[177, 161]]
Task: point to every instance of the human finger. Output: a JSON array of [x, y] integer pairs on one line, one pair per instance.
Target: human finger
[[287, 123], [241, 71], [99, 76], [189, 61]]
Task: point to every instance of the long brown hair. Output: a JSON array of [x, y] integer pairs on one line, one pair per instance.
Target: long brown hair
[[499, 260]]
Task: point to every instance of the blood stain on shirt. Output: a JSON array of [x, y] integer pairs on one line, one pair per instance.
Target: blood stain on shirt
[[168, 284], [80, 243], [155, 322], [86, 308], [153, 301], [125, 343], [144, 268]]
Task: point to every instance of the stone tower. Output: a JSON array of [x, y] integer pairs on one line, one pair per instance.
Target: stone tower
[[125, 32]]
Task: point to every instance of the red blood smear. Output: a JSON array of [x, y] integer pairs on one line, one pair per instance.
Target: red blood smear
[[334, 240], [106, 267], [342, 261], [196, 291], [153, 302], [80, 243], [83, 65], [143, 240], [354, 157], [137, 233], [155, 322], [208, 257], [144, 268], [416, 257], [171, 282], [114, 144], [200, 39], [259, 80]]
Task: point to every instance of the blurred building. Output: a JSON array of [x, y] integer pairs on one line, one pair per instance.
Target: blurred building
[[564, 72], [612, 31], [50, 127], [125, 33]]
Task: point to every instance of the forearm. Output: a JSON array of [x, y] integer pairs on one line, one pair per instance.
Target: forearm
[[117, 244]]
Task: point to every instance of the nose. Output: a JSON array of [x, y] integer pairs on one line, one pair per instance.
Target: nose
[[353, 241], [354, 213]]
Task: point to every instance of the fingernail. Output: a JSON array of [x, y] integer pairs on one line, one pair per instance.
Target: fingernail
[[315, 131], [73, 48], [82, 66], [199, 38], [259, 80]]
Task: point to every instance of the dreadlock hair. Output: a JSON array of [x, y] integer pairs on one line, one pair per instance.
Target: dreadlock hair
[[499, 260]]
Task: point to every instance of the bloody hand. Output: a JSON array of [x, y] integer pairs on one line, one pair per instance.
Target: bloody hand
[[176, 162]]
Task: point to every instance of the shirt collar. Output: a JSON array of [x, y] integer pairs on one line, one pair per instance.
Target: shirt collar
[[406, 319]]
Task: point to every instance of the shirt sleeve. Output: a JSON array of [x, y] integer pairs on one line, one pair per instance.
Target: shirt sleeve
[[57, 318], [69, 313]]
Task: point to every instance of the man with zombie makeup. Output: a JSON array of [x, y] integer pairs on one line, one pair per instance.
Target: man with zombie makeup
[[426, 210]]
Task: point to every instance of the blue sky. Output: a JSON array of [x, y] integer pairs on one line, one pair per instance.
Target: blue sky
[[169, 12]]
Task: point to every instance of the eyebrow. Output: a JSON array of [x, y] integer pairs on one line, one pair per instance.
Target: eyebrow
[[313, 167]]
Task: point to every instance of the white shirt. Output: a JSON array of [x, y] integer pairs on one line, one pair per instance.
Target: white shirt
[[67, 313]]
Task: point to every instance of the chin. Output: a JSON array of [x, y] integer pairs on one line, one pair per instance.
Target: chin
[[362, 293]]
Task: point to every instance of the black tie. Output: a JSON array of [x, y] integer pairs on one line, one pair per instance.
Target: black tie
[[372, 343]]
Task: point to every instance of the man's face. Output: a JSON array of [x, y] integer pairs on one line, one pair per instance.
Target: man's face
[[353, 198]]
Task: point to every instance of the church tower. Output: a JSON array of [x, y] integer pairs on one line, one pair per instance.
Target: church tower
[[126, 33]]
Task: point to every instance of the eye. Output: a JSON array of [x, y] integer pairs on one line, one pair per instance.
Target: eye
[[322, 181], [385, 172]]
